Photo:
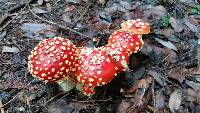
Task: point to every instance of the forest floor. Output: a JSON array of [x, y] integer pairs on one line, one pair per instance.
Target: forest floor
[[164, 76]]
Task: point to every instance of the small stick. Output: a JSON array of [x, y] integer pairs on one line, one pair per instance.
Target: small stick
[[82, 14], [1, 106], [12, 99], [4, 26], [53, 23]]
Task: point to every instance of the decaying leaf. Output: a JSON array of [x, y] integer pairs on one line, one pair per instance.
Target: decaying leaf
[[7, 49], [123, 106], [167, 44], [194, 85], [160, 53], [192, 27], [157, 77], [61, 106], [175, 100], [159, 101], [178, 73], [159, 11], [190, 94], [176, 24]]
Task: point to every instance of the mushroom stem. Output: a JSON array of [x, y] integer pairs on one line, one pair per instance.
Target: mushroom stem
[[66, 84], [125, 65]]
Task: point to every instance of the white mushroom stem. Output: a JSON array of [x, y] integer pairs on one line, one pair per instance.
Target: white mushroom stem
[[125, 65], [67, 84]]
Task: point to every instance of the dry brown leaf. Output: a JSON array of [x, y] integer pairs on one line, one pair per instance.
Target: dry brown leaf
[[175, 100]]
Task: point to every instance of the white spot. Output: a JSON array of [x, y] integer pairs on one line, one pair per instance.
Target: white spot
[[98, 72], [43, 74], [60, 63], [100, 79], [90, 84], [108, 60], [53, 70], [90, 79], [103, 83], [63, 48]]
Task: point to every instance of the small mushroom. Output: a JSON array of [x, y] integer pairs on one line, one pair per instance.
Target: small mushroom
[[95, 68], [53, 60], [124, 39], [136, 26]]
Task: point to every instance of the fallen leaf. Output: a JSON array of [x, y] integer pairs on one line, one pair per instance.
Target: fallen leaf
[[61, 106], [178, 73], [190, 95], [35, 30], [66, 17], [125, 4], [157, 77], [123, 106], [159, 101], [197, 78], [73, 1], [175, 100], [176, 24], [167, 32], [3, 34], [102, 2], [167, 44], [159, 11], [157, 53], [7, 49], [192, 27], [194, 85], [38, 10]]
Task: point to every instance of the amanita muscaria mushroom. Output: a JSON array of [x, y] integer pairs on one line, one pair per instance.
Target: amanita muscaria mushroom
[[53, 60], [95, 68], [120, 56], [124, 39], [136, 26]]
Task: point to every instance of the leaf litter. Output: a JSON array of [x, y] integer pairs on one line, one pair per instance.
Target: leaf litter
[[164, 76]]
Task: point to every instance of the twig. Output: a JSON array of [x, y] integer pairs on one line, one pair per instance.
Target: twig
[[52, 99], [56, 24], [1, 106], [82, 14], [12, 99], [89, 101], [4, 26]]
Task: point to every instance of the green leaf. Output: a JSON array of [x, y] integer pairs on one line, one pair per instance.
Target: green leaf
[[197, 6], [194, 10], [165, 21]]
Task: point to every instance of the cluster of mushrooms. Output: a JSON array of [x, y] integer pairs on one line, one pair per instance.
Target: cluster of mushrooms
[[59, 60]]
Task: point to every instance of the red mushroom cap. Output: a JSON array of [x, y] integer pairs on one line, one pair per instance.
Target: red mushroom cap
[[95, 67], [120, 56], [136, 26], [126, 40], [52, 59], [88, 90]]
